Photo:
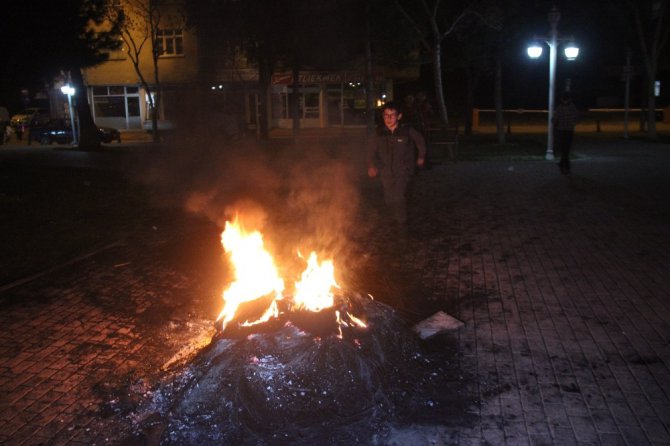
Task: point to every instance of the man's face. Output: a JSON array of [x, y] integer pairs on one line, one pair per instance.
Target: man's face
[[391, 118]]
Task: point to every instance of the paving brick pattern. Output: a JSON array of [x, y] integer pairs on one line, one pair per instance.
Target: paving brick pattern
[[72, 339], [562, 283]]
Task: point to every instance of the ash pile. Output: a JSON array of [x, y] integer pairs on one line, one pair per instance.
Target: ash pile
[[283, 384]]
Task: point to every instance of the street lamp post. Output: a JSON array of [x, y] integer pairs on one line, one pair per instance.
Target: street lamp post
[[535, 51], [69, 92]]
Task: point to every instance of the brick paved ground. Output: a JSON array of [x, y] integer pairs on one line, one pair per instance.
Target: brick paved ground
[[561, 282], [79, 343]]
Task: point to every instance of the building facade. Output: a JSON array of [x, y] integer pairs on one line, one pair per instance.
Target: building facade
[[119, 98]]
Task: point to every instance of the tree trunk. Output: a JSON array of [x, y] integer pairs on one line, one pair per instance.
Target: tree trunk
[[472, 81], [369, 78], [264, 83], [295, 100], [651, 109], [439, 90], [89, 139], [653, 36], [644, 99], [156, 137], [500, 118], [149, 92]]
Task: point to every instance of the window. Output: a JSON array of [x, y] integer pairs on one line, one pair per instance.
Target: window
[[109, 101], [308, 103], [170, 42], [117, 106]]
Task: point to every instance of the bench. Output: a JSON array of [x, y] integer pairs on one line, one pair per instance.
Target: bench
[[444, 140]]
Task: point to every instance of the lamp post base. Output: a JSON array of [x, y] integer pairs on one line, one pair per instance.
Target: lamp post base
[[549, 156]]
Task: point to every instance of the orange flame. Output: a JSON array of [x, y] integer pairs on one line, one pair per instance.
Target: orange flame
[[270, 312], [314, 291], [256, 277], [255, 272], [356, 320]]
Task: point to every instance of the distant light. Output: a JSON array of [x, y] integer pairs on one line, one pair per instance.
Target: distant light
[[534, 51], [571, 51], [68, 90], [213, 87], [220, 86], [657, 88]]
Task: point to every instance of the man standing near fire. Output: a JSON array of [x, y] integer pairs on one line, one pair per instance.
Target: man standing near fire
[[393, 154]]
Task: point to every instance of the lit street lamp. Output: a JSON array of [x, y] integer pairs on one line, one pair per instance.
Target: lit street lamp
[[69, 92], [571, 52]]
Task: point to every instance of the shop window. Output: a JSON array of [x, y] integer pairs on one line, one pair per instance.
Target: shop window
[[109, 106], [116, 106], [308, 104]]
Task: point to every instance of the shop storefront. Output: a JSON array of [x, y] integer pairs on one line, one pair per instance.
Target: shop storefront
[[326, 99], [117, 106]]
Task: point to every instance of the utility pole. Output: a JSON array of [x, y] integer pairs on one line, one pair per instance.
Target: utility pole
[[627, 72]]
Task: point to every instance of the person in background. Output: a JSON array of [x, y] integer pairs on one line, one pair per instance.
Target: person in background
[[393, 153], [4, 123], [564, 121], [9, 132], [410, 114], [425, 120], [425, 113], [29, 130]]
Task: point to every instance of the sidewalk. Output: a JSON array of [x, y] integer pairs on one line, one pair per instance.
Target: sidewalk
[[562, 283]]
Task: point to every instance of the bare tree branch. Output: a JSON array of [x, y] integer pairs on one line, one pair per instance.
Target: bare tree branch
[[463, 15], [426, 44]]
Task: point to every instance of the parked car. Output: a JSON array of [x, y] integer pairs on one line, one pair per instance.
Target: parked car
[[60, 131], [108, 134], [22, 120]]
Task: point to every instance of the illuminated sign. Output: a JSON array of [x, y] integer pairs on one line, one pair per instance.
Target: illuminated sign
[[316, 77]]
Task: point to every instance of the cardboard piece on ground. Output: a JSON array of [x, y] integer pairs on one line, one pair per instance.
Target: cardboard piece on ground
[[440, 322]]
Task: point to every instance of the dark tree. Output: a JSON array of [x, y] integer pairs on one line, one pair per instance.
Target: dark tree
[[434, 21], [230, 29], [139, 22], [270, 35], [650, 21], [59, 37]]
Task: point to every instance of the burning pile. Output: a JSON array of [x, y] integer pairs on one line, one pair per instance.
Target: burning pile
[[297, 368], [287, 386], [257, 296]]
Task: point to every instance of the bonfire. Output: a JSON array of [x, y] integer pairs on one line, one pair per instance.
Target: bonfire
[[302, 364], [257, 294]]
